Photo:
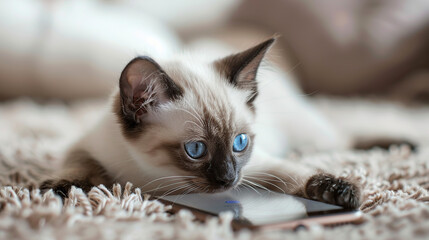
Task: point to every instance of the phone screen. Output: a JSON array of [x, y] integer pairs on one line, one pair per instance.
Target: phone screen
[[254, 206]]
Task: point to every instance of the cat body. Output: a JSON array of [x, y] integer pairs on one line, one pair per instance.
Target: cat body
[[206, 124]]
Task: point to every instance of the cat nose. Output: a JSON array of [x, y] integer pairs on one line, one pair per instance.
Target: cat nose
[[227, 180], [222, 171]]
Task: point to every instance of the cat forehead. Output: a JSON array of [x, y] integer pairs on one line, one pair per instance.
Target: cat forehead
[[190, 73], [207, 95], [203, 84]]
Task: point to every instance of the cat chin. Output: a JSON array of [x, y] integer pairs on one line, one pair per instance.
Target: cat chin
[[216, 189]]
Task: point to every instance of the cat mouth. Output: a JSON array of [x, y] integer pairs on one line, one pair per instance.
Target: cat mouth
[[223, 187], [219, 189], [203, 185]]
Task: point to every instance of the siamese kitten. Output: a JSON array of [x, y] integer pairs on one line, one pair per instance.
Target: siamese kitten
[[190, 125]]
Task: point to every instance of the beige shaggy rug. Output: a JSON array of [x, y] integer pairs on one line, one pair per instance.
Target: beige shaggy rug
[[33, 137]]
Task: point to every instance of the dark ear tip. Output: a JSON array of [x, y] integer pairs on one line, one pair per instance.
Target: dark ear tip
[[269, 42], [276, 36]]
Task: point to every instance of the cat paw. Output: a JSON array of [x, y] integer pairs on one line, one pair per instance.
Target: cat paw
[[62, 187], [329, 189]]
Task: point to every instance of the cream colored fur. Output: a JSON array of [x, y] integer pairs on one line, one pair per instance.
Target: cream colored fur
[[284, 122]]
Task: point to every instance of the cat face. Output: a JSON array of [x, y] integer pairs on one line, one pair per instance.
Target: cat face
[[191, 119]]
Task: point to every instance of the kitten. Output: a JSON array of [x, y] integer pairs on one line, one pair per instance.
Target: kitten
[[189, 125]]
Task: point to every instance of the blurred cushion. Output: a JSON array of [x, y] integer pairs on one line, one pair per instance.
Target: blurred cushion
[[348, 46], [71, 49]]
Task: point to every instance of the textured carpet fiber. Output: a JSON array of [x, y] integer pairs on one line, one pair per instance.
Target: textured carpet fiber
[[33, 138]]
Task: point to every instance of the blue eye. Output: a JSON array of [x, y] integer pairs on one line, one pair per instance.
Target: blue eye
[[195, 149], [240, 142]]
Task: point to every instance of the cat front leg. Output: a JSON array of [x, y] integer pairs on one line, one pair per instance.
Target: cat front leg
[[295, 178], [79, 170]]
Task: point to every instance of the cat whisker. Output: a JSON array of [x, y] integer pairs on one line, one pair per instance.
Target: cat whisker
[[267, 179], [263, 178], [237, 187], [167, 177], [256, 184], [161, 187], [295, 180], [174, 190], [267, 182], [247, 185], [272, 175], [192, 188]]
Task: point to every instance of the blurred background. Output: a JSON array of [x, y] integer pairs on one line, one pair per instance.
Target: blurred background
[[362, 64], [77, 49]]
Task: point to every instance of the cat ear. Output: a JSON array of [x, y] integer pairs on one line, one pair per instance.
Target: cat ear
[[240, 69], [144, 86]]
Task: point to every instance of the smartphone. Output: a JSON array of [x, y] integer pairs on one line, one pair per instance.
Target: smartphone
[[256, 208]]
